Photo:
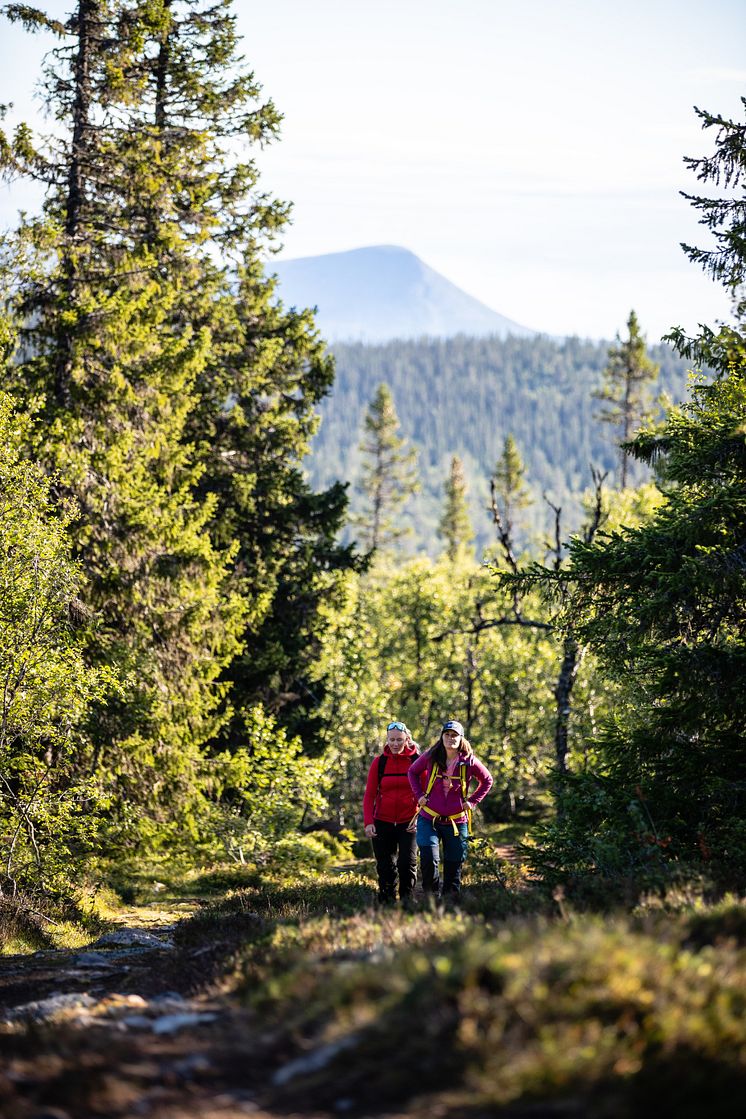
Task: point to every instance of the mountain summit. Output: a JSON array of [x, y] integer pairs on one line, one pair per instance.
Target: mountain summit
[[382, 292]]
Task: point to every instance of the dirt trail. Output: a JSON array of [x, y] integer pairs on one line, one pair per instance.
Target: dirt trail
[[116, 1029], [135, 1025]]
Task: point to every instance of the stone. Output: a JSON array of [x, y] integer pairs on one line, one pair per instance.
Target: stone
[[131, 938], [45, 1010], [196, 1064], [313, 1062], [91, 959], [171, 1023]]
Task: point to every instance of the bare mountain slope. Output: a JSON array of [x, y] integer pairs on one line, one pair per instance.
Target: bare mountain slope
[[382, 292]]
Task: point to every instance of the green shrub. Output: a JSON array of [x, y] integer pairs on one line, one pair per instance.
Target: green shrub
[[593, 1014]]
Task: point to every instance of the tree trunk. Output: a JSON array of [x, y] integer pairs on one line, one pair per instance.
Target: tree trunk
[[164, 54], [571, 658], [88, 12]]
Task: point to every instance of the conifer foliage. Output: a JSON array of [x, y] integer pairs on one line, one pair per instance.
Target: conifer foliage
[[664, 606], [171, 398], [509, 490], [626, 389], [455, 526], [110, 384], [389, 475], [49, 810], [723, 216]]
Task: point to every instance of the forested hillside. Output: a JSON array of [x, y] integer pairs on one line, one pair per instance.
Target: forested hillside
[[464, 396]]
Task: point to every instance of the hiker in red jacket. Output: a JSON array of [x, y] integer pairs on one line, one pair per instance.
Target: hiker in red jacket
[[389, 814], [441, 781]]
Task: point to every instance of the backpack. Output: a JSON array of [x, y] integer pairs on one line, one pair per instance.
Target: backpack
[[381, 767], [464, 781], [382, 759]]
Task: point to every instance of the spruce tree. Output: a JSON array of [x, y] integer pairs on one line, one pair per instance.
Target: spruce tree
[[724, 217], [256, 398], [510, 492], [50, 813], [664, 607], [455, 526], [389, 475], [625, 390], [175, 108], [112, 364]]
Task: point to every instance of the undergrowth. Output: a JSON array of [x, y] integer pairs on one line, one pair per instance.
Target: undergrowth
[[523, 1000], [515, 1000], [38, 921], [534, 1009]]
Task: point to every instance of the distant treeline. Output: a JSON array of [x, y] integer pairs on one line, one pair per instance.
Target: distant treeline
[[463, 396]]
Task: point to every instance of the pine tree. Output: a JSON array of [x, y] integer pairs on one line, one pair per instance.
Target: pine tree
[[627, 380], [510, 493], [664, 606], [725, 218], [455, 525], [389, 474]]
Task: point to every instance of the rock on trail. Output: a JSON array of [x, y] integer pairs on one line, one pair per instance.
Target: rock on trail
[[97, 1032]]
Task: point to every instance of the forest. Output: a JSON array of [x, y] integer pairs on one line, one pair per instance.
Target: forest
[[206, 632], [464, 396]]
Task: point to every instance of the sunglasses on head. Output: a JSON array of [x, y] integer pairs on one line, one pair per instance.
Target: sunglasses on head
[[396, 726]]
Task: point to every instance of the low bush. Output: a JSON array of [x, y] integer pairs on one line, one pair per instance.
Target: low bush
[[597, 1015]]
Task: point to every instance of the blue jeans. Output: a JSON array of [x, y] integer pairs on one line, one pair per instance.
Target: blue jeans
[[429, 837]]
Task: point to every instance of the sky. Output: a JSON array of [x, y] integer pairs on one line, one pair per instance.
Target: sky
[[529, 150]]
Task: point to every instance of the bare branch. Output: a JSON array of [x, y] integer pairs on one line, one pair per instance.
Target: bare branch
[[598, 515]]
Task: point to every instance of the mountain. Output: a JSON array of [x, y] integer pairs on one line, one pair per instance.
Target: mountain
[[382, 292]]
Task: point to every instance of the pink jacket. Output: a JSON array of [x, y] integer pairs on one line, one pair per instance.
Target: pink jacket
[[448, 803]]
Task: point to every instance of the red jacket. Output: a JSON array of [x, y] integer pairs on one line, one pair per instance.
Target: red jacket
[[393, 802]]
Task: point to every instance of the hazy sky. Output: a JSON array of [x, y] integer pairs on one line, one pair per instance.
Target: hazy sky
[[530, 150]]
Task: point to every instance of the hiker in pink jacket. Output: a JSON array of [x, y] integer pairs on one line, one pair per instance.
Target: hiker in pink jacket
[[441, 780]]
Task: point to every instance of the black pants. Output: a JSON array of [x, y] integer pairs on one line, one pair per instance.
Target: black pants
[[396, 857]]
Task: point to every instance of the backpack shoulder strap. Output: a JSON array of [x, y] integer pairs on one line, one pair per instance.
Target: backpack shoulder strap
[[432, 778], [381, 767], [464, 769]]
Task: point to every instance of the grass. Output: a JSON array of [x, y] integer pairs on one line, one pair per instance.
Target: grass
[[515, 1001], [532, 1011], [518, 1002], [31, 924]]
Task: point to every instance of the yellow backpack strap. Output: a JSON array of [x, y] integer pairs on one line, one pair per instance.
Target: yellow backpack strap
[[432, 779], [465, 793], [437, 816]]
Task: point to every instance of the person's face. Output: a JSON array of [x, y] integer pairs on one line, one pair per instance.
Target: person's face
[[396, 740], [451, 739]]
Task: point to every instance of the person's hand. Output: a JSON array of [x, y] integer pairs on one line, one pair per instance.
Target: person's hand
[[422, 801], [370, 831]]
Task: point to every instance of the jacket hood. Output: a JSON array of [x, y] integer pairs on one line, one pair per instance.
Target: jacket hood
[[408, 751]]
